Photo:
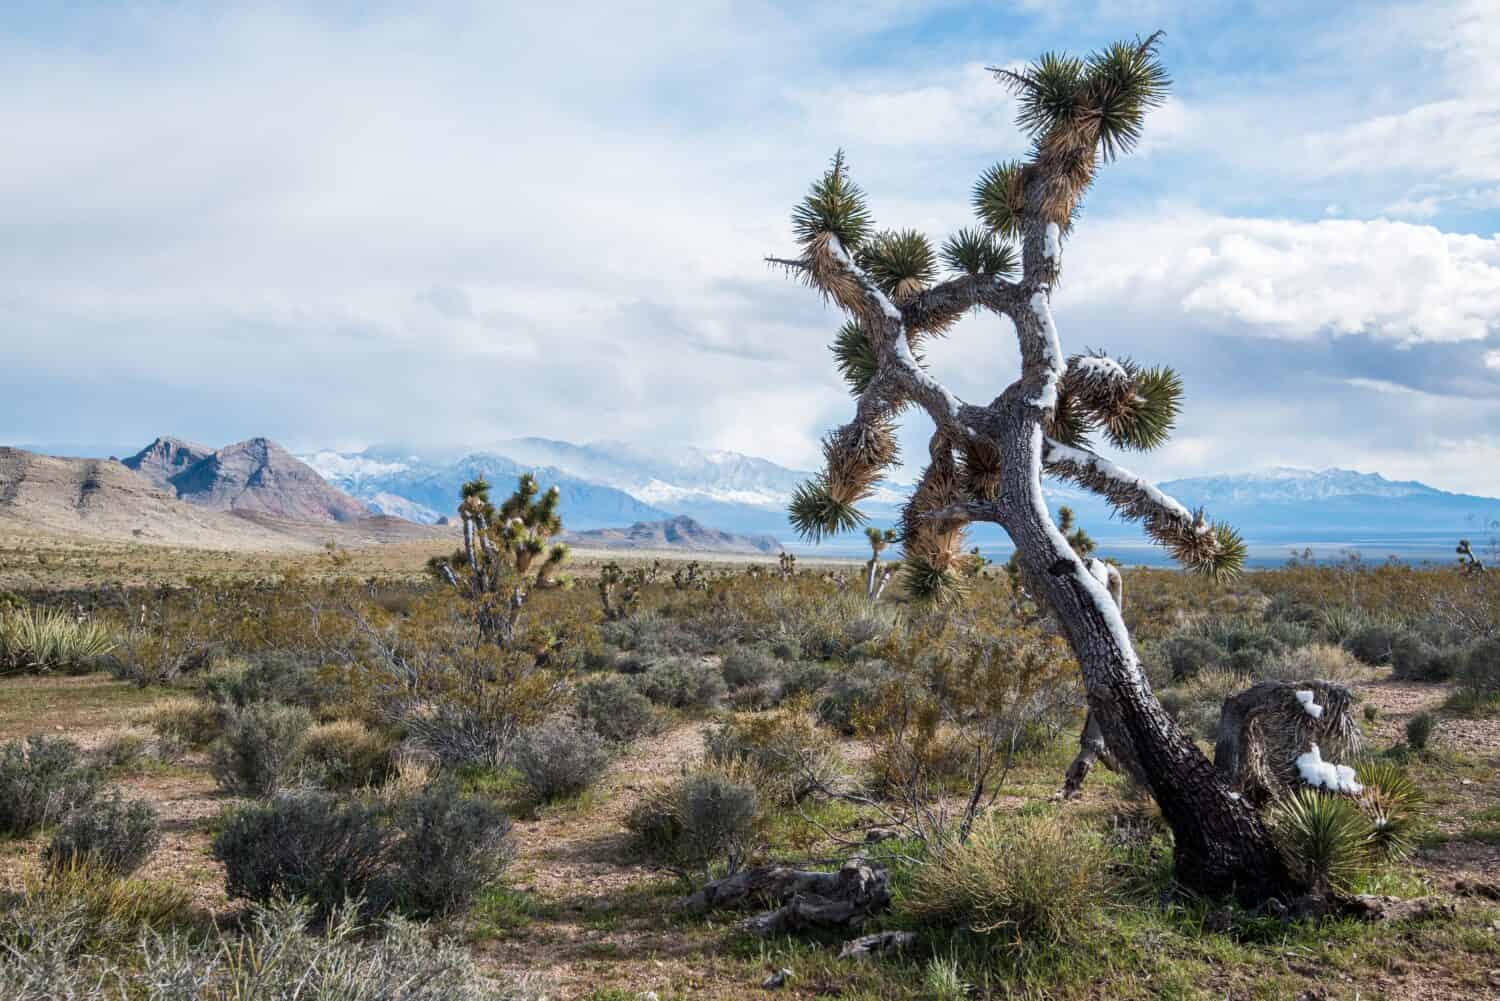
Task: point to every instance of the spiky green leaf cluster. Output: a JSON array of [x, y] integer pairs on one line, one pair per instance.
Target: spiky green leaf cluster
[[901, 262], [854, 356], [836, 205], [1394, 805], [931, 584], [1149, 423], [1228, 555], [815, 514], [975, 252], [1105, 97], [995, 199], [1125, 81], [1071, 424], [1325, 838]]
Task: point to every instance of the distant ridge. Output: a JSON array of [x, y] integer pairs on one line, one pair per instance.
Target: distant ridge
[[256, 475], [680, 533]]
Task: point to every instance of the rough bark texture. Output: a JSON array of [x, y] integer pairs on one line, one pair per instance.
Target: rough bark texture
[[798, 899]]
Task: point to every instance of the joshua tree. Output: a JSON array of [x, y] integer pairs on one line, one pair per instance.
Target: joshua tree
[[788, 563], [500, 547], [985, 461], [629, 584], [877, 576], [1466, 558]]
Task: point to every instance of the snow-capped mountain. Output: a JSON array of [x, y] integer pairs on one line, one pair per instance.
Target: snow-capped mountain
[[604, 484], [614, 485], [1286, 485]]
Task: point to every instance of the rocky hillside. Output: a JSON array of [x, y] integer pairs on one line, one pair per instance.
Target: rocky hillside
[[256, 476], [674, 534]]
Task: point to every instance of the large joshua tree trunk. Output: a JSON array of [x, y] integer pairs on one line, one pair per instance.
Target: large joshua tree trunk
[[986, 462]]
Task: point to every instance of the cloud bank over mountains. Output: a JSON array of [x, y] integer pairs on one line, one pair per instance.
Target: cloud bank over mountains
[[475, 222]]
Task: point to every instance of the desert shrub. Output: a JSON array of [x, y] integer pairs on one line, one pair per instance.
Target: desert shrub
[[1415, 659], [269, 676], [346, 754], [106, 835], [803, 678], [746, 666], [1372, 712], [275, 958], [559, 758], [1479, 677], [184, 722], [1188, 655], [54, 933], [1324, 838], [1419, 730], [449, 847], [710, 816], [39, 639], [123, 747], [682, 683], [787, 756], [615, 708], [307, 845], [644, 637], [1314, 662], [41, 779], [850, 693], [843, 625], [1197, 704], [1026, 879], [259, 748], [1372, 644]]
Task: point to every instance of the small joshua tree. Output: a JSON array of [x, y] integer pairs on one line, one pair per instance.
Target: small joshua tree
[[501, 546], [876, 574], [986, 461], [1466, 558], [628, 584], [788, 563]]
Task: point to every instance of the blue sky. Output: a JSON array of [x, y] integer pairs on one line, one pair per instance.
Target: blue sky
[[350, 223]]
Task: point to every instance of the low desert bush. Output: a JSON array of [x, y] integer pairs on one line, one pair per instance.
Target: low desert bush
[[749, 666], [1198, 703], [787, 756], [1419, 730], [1479, 678], [850, 693], [710, 817], [41, 780], [1372, 644], [307, 845], [424, 855], [346, 754], [259, 748], [184, 723], [1186, 656], [682, 683], [1314, 662], [124, 747], [109, 836], [269, 676], [1415, 659], [559, 757], [1025, 879], [615, 708], [447, 848]]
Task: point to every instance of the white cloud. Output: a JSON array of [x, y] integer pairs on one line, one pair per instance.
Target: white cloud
[[1492, 360], [1388, 280]]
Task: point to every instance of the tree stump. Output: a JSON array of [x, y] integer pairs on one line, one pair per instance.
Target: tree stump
[[798, 899], [1263, 730]]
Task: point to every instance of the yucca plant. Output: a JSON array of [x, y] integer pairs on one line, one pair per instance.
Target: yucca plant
[[49, 639], [1394, 805], [1325, 839]]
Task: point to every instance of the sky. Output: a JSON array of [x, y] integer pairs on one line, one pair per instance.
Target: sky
[[350, 223]]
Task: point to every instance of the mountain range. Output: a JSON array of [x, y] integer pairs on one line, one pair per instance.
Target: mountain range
[[611, 484]]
